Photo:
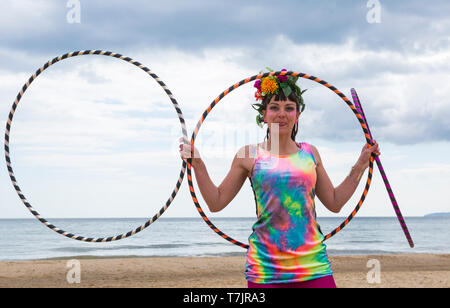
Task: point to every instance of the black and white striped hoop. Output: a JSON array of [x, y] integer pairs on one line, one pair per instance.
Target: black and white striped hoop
[[8, 158]]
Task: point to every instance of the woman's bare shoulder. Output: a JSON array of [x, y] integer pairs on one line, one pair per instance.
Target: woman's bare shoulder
[[315, 153], [247, 151], [246, 156]]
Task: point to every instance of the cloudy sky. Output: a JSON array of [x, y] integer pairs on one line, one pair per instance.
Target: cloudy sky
[[97, 137]]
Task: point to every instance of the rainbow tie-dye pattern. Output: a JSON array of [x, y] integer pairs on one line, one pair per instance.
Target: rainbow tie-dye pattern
[[286, 244]]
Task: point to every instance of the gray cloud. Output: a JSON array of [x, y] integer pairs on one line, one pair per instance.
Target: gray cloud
[[195, 25], [277, 34]]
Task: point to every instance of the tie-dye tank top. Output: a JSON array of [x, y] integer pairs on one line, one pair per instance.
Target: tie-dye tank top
[[286, 244]]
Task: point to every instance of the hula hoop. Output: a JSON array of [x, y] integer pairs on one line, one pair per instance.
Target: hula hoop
[[8, 159], [400, 218], [244, 81]]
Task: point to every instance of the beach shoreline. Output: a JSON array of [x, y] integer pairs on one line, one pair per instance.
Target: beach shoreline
[[360, 271]]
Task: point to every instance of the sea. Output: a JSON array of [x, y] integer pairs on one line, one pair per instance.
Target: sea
[[29, 239]]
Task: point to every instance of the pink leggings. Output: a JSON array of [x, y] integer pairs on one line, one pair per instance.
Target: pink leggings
[[323, 282]]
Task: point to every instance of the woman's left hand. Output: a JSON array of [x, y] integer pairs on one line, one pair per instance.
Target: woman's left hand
[[366, 151]]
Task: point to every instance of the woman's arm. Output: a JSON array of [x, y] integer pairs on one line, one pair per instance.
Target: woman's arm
[[217, 198], [335, 198]]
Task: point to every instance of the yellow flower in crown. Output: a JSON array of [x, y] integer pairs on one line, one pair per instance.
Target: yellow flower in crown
[[269, 85]]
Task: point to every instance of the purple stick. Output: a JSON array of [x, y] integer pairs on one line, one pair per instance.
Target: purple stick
[[383, 174]]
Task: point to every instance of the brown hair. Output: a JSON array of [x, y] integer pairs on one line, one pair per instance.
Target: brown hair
[[281, 97]]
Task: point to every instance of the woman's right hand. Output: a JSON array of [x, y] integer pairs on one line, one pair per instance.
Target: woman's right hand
[[186, 152]]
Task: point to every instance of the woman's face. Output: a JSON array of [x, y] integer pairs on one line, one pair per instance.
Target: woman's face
[[284, 113]]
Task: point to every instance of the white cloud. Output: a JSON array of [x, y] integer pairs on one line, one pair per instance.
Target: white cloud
[[429, 169], [30, 13], [105, 117]]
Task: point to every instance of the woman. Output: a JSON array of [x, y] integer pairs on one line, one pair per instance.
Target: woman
[[286, 247]]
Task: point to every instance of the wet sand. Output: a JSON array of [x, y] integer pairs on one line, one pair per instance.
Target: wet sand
[[399, 271]]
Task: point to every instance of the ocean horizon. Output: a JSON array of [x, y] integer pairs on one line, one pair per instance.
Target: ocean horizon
[[29, 239]]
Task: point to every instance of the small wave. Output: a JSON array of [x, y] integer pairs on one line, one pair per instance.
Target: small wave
[[341, 252], [371, 241], [115, 248], [224, 254], [187, 255], [221, 243]]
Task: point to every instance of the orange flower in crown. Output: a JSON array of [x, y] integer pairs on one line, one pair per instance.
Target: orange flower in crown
[[269, 85]]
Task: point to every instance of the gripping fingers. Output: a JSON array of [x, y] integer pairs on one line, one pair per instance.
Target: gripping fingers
[[374, 148], [185, 150]]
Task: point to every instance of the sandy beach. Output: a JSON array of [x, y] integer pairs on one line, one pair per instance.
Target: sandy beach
[[405, 270]]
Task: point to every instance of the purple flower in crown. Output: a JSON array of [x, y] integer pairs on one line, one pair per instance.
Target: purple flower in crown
[[258, 84], [282, 78]]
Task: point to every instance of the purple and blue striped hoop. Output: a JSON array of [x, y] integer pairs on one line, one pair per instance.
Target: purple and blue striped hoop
[[383, 173]]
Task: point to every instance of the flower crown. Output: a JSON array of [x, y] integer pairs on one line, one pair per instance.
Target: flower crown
[[271, 85]]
